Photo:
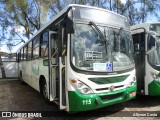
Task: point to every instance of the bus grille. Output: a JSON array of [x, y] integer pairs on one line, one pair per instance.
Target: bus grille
[[108, 80], [111, 97], [99, 89]]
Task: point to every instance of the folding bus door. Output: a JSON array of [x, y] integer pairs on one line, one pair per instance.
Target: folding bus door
[[139, 57], [57, 67]]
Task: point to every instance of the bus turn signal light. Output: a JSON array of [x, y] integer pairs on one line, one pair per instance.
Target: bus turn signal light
[[73, 81]]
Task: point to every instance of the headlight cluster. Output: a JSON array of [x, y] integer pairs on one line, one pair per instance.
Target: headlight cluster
[[155, 76], [133, 82], [81, 87]]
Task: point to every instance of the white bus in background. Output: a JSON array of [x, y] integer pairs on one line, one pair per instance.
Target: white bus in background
[[146, 39], [81, 60]]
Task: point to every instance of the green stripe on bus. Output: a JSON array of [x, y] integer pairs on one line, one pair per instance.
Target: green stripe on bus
[[154, 88], [108, 80], [80, 102]]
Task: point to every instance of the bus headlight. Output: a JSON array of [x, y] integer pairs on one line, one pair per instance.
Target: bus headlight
[[85, 90], [155, 76], [81, 87]]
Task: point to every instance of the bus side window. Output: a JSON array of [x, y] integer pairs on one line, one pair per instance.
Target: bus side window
[[139, 43], [64, 45], [29, 50], [54, 51], [22, 54], [44, 44], [136, 43], [151, 42], [25, 52], [18, 56], [54, 48], [36, 43]]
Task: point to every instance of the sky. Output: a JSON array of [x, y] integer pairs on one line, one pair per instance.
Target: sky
[[3, 46], [21, 30], [123, 1]]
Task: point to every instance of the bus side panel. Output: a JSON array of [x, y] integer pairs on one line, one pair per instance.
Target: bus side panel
[[26, 71], [154, 88], [37, 70], [29, 73], [35, 73]]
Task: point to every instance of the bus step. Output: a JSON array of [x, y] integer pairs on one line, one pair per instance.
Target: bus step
[[56, 102], [56, 99]]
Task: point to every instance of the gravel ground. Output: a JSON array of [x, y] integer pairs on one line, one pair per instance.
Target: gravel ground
[[17, 97]]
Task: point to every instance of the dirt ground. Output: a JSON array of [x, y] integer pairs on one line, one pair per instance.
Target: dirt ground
[[22, 98]]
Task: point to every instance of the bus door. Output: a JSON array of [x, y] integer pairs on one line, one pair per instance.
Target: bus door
[[62, 45], [57, 56], [139, 57], [53, 66]]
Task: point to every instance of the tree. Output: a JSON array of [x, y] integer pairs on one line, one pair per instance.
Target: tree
[[32, 14], [27, 14], [137, 11], [149, 7]]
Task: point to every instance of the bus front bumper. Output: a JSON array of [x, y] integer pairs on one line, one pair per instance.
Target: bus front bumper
[[80, 102]]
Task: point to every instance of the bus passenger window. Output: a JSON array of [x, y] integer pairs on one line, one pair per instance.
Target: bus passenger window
[[44, 50], [36, 48], [29, 50], [152, 51], [151, 42], [22, 54], [19, 56], [25, 52], [44, 44]]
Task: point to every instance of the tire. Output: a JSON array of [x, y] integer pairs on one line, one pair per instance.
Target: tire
[[44, 91]]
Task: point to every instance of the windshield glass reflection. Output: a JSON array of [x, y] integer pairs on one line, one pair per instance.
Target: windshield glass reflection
[[91, 53]]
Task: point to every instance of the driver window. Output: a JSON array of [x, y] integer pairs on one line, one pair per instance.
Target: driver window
[[151, 42], [152, 54]]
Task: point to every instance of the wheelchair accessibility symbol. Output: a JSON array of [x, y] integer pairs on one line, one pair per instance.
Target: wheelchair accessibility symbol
[[109, 67]]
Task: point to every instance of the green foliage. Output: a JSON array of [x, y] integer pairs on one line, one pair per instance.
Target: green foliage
[[29, 14], [32, 14]]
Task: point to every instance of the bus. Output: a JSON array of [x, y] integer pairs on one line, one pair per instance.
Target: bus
[[146, 40], [81, 60]]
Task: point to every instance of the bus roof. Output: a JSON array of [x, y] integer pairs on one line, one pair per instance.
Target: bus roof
[[60, 14], [143, 25]]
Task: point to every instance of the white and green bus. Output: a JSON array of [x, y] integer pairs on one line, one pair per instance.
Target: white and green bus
[[81, 60], [146, 39]]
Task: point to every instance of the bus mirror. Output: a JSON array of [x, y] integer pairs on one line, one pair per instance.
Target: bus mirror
[[69, 25], [151, 32], [45, 62], [151, 42]]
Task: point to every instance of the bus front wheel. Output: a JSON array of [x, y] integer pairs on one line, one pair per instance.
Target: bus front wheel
[[44, 91]]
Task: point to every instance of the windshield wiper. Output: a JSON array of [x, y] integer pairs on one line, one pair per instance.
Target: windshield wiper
[[98, 31], [100, 34]]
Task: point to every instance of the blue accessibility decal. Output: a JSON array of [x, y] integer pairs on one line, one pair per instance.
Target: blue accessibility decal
[[109, 67]]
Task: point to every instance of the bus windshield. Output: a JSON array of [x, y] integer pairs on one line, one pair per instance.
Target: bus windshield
[[154, 45], [91, 53], [154, 52]]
